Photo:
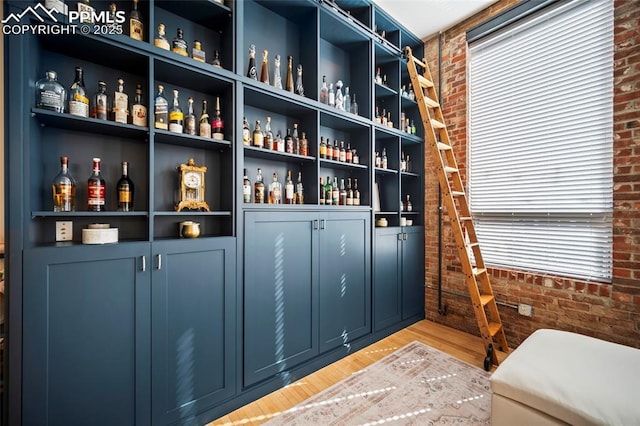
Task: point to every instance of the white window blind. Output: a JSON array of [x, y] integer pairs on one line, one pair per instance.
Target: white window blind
[[541, 141]]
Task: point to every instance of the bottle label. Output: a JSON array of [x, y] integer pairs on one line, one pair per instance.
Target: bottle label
[[205, 130], [180, 47], [198, 55], [246, 137], [124, 196], [161, 43], [50, 100], [135, 29], [246, 193], [139, 115], [190, 125], [175, 121], [349, 201], [95, 195], [258, 139], [79, 106], [175, 127], [259, 195], [288, 192], [120, 107]]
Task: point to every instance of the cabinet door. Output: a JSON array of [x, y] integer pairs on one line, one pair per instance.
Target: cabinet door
[[280, 325], [86, 336], [193, 327], [413, 273], [345, 278], [387, 284]]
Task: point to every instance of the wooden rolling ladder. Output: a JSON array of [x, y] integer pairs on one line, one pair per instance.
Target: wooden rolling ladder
[[455, 201]]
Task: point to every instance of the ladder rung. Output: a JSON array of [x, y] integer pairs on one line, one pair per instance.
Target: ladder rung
[[438, 125], [479, 271], [485, 299], [443, 146], [431, 103], [418, 62], [494, 328], [465, 218], [473, 245], [457, 193], [424, 82], [449, 169]]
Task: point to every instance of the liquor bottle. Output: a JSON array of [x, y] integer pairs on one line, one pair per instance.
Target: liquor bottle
[[355, 157], [246, 188], [354, 105], [377, 160], [321, 192], [411, 94], [138, 109], [383, 117], [161, 39], [296, 139], [339, 98], [268, 135], [299, 196], [378, 78], [176, 116], [289, 189], [78, 101], [408, 164], [197, 53], [258, 137], [125, 190], [120, 112], [96, 189], [275, 190], [64, 188], [280, 142], [304, 145], [328, 192], [246, 132], [335, 192], [50, 94], [277, 78], [299, 87], [179, 44], [288, 142], [100, 101], [329, 150], [111, 18], [332, 96], [403, 163], [377, 117], [204, 127], [336, 150], [190, 118], [217, 124], [216, 59], [384, 80], [385, 160], [347, 100], [324, 91], [323, 148], [289, 81], [86, 12], [264, 70], [136, 26], [258, 189], [349, 153], [356, 193], [407, 204], [349, 193], [342, 155], [251, 71], [389, 122], [413, 128], [343, 193], [161, 110]]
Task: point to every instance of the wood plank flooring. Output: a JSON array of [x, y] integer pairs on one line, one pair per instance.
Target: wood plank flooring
[[463, 346]]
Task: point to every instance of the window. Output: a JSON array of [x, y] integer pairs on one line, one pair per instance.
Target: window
[[541, 141]]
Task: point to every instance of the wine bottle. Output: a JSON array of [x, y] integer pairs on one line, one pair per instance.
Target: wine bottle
[[204, 127], [78, 101], [289, 189], [217, 124], [125, 190], [246, 188]]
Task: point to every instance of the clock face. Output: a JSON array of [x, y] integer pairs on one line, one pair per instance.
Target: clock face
[[192, 180]]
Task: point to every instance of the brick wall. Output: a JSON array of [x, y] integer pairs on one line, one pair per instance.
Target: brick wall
[[607, 311]]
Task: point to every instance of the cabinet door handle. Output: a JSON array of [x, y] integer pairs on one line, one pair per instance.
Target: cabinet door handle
[[315, 224], [144, 263], [159, 261], [322, 224], [400, 237], [405, 236]]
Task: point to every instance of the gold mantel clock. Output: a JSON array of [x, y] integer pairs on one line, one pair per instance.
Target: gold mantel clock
[[192, 187]]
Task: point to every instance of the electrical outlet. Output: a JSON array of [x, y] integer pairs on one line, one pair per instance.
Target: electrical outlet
[[64, 230], [525, 310]]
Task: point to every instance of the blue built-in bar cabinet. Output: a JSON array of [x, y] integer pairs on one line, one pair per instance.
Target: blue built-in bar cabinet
[[160, 330]]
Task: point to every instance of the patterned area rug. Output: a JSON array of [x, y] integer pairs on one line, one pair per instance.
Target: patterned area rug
[[416, 385]]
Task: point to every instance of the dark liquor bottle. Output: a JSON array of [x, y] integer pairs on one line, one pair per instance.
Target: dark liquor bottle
[[288, 142], [321, 192], [299, 87], [120, 112], [349, 193], [349, 153], [335, 192], [204, 127], [246, 188], [64, 189], [190, 118], [179, 44], [329, 150], [125, 190], [50, 94], [161, 110], [96, 189], [356, 193], [264, 71], [258, 189], [323, 148], [99, 106], [252, 72], [136, 26], [78, 100], [176, 116], [246, 132], [299, 196], [197, 53], [407, 204], [268, 135], [161, 39], [258, 136], [275, 190], [328, 192], [342, 155], [336, 150], [216, 59], [138, 109], [289, 81], [343, 193], [217, 124], [289, 189]]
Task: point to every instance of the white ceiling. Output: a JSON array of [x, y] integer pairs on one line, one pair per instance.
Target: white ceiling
[[427, 17]]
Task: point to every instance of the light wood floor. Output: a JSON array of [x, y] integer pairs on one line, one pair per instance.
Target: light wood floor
[[456, 343]]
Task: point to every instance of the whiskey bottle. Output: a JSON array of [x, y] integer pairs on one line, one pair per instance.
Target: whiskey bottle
[[136, 26], [277, 78], [246, 132], [349, 193], [329, 150], [288, 142], [403, 163], [378, 77], [336, 150], [217, 124], [289, 82], [321, 193], [99, 106], [356, 193], [161, 39], [50, 94], [179, 44], [258, 189], [409, 165], [78, 101], [252, 72], [355, 157], [197, 53], [323, 148], [377, 160], [328, 192], [407, 204], [258, 137], [216, 59], [335, 192], [279, 141], [342, 156], [86, 11], [268, 135], [343, 193], [304, 145], [349, 153], [385, 160], [299, 196], [96, 189], [275, 190], [289, 189], [190, 118], [161, 110], [246, 188], [125, 190], [264, 71], [296, 139], [120, 112], [299, 87], [64, 188], [324, 91], [138, 109], [204, 127], [176, 116]]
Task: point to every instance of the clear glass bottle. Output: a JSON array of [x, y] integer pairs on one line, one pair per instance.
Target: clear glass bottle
[[120, 112], [299, 196], [258, 136], [161, 110], [78, 100], [268, 135], [403, 162], [347, 100], [179, 44], [332, 96], [384, 160], [339, 101], [252, 72], [299, 87], [246, 132], [275, 190], [160, 40], [197, 53], [96, 189], [377, 159], [64, 188], [50, 94], [246, 188], [279, 141], [136, 26], [204, 127], [324, 91], [258, 189], [277, 77], [289, 189], [264, 70], [100, 104], [190, 118], [354, 105], [289, 81], [321, 192], [176, 116], [378, 77], [125, 190], [217, 124], [328, 192], [138, 108]]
